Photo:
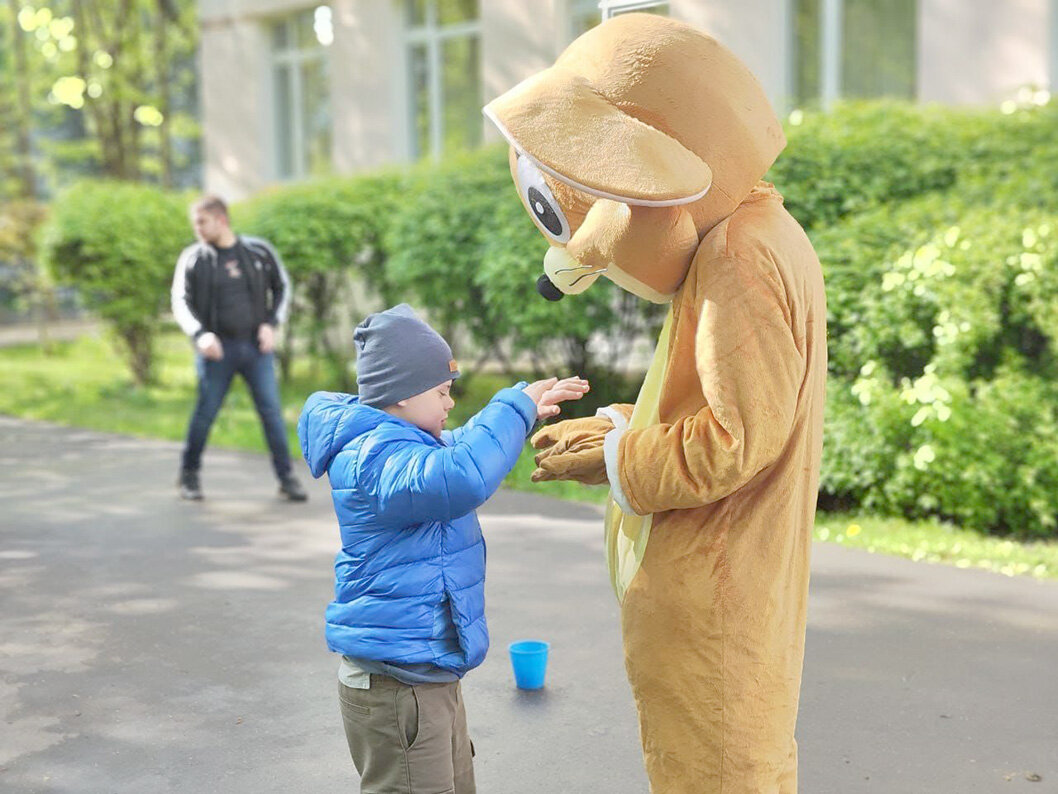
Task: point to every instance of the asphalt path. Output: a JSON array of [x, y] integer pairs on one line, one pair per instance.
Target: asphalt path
[[154, 645]]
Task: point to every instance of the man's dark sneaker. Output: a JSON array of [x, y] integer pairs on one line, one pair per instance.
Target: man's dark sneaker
[[189, 487], [291, 490]]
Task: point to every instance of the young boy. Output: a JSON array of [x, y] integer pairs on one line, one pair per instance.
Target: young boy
[[408, 615]]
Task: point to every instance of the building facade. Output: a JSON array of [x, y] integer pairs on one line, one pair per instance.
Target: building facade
[[292, 90]]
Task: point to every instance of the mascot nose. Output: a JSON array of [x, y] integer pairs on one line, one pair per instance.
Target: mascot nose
[[546, 288]]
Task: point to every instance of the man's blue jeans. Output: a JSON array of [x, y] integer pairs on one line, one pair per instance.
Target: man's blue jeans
[[214, 379]]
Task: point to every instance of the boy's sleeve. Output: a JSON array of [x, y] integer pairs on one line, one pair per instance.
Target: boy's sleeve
[[411, 482], [451, 437]]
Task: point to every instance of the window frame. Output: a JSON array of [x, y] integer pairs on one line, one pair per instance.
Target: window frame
[[612, 8], [294, 57], [607, 9], [433, 36], [574, 9], [1052, 46], [831, 53]]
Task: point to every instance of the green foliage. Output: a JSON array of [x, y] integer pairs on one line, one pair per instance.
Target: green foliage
[[102, 87], [118, 244], [972, 298], [992, 464], [983, 454], [935, 227], [436, 241], [862, 156], [952, 411], [329, 235]]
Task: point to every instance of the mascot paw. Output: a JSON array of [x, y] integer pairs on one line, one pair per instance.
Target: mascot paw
[[572, 450]]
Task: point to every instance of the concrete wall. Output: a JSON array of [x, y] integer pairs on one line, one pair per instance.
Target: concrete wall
[[980, 51], [226, 10], [236, 105], [1052, 24], [755, 30], [969, 51], [518, 39], [368, 100]]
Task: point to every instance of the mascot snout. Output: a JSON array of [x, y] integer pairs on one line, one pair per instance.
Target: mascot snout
[[566, 274]]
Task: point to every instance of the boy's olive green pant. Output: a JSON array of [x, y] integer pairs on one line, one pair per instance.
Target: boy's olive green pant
[[408, 739]]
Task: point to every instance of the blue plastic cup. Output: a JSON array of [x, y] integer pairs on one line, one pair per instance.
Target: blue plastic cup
[[529, 660]]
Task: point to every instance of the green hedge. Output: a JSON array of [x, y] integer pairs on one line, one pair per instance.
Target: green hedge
[[942, 397], [329, 235], [118, 244], [864, 155], [983, 454], [943, 309], [435, 242]]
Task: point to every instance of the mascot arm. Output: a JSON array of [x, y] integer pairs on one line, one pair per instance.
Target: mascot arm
[[750, 368]]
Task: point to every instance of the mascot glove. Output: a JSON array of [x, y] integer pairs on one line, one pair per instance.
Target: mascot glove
[[574, 449]]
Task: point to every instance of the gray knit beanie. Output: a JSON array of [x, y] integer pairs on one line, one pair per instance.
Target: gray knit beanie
[[399, 356]]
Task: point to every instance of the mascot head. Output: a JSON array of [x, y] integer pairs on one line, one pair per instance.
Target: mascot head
[[642, 136]]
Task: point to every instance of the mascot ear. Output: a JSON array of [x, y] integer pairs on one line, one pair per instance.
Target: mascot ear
[[570, 131]]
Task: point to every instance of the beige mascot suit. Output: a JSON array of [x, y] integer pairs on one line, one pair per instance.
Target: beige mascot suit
[[639, 155]]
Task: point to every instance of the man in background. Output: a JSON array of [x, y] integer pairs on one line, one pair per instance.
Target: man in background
[[230, 294]]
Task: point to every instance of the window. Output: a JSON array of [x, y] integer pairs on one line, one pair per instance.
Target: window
[[444, 75], [853, 48], [302, 93], [583, 16], [1053, 43], [613, 8], [586, 14]]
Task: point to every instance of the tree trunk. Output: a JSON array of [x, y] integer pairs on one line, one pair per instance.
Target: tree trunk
[[93, 106], [139, 348], [285, 354], [23, 115], [46, 308], [112, 117], [161, 42]]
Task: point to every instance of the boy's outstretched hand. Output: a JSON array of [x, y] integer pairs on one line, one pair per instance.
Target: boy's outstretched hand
[[547, 394]]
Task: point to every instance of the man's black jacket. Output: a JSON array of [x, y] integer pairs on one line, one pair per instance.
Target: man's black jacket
[[194, 294]]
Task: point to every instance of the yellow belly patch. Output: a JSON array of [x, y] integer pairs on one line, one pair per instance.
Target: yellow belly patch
[[627, 534]]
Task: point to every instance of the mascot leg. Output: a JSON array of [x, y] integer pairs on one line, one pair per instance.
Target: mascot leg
[[713, 718]]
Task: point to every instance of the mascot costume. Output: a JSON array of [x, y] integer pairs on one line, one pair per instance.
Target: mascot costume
[[639, 155]]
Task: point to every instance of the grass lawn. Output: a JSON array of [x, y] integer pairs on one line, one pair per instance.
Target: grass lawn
[[84, 384]]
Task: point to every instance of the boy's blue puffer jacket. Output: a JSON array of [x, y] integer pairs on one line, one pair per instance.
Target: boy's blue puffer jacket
[[405, 503]]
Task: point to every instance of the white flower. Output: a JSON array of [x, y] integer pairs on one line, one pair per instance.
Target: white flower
[[924, 456]]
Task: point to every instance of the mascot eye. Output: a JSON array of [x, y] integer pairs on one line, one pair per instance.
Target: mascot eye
[[540, 202], [544, 212]]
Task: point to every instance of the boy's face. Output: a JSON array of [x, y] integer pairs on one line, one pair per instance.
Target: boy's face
[[427, 410]]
